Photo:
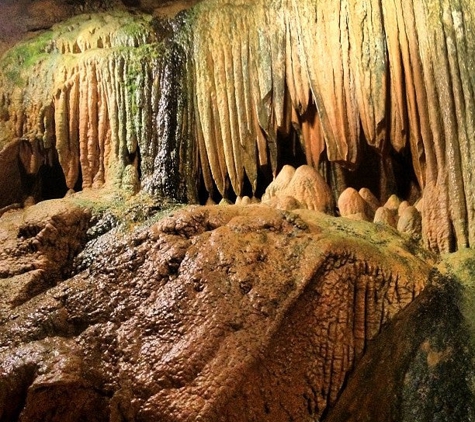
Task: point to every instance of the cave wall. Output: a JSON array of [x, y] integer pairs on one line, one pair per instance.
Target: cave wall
[[393, 75], [105, 101], [223, 95]]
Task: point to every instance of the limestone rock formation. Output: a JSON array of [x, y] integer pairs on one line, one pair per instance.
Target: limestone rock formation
[[210, 101], [352, 205], [303, 187], [385, 216], [38, 247], [219, 313], [409, 221], [395, 75], [370, 199], [104, 101], [237, 313], [430, 347]]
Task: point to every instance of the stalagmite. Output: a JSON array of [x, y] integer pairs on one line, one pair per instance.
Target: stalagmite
[[393, 203], [402, 207], [409, 222], [303, 187], [352, 205], [280, 182], [371, 200], [385, 216]]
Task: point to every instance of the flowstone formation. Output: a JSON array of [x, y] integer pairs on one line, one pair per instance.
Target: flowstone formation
[[350, 121], [372, 95], [219, 313], [348, 77]]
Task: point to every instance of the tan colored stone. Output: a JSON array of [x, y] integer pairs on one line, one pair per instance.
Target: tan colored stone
[[385, 216], [402, 206], [352, 205], [279, 183], [309, 189], [305, 185], [410, 222], [283, 202], [393, 203], [369, 197]]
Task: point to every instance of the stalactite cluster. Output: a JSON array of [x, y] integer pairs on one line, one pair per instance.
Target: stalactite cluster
[[96, 90], [238, 89], [395, 75]]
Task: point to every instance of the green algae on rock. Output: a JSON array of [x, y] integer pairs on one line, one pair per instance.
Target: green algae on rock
[[95, 91], [421, 366]]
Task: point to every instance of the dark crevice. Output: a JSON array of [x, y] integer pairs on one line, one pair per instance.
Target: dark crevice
[[264, 178], [78, 184], [13, 406], [138, 163], [368, 172], [407, 186], [290, 150], [52, 180], [246, 187]]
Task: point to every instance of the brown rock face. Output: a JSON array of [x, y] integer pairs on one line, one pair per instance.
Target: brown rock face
[[234, 313], [38, 246], [421, 368], [216, 313]]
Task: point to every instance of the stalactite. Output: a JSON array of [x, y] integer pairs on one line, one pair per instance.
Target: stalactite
[[396, 77], [239, 83], [97, 89]]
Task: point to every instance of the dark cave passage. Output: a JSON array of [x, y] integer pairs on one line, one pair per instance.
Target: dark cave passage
[[384, 175], [52, 183], [49, 182]]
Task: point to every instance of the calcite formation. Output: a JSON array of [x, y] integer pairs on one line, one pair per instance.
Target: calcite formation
[[237, 313], [93, 97], [38, 248], [219, 100], [215, 313], [431, 353], [305, 185], [395, 75]]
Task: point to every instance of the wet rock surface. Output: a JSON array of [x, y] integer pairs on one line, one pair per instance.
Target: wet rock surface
[[38, 246], [214, 313], [421, 368], [207, 104]]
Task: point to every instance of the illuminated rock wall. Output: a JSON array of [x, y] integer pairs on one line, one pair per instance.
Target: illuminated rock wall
[[393, 75], [234, 86], [102, 92]]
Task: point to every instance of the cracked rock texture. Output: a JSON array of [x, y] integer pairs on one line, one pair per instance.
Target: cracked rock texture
[[215, 313], [38, 248], [256, 313], [422, 366]]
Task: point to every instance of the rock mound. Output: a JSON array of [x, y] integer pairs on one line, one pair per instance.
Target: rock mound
[[242, 313]]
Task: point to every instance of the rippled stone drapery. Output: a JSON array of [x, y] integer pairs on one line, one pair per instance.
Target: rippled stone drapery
[[238, 77], [105, 93], [399, 73]]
